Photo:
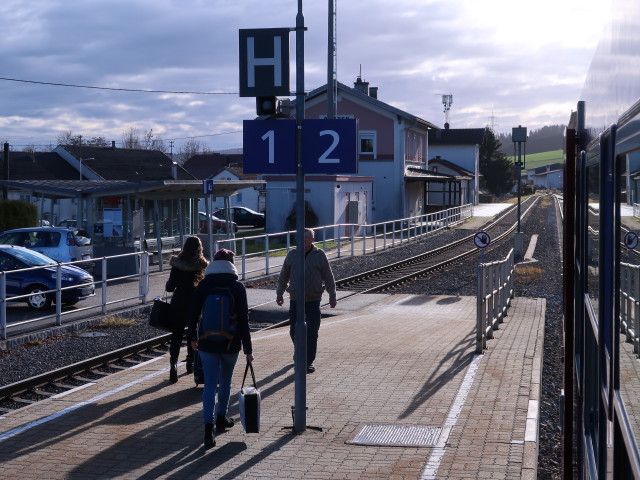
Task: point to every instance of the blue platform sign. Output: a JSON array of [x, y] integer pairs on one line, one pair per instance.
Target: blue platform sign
[[330, 146], [207, 186], [269, 146]]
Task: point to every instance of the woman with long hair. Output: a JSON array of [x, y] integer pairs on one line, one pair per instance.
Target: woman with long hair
[[187, 269]]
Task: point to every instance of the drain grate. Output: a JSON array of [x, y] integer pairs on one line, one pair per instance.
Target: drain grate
[[397, 436]]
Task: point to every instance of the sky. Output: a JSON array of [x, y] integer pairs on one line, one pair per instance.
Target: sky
[[506, 63]]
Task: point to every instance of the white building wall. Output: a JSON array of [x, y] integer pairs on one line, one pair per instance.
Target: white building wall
[[386, 189], [465, 156]]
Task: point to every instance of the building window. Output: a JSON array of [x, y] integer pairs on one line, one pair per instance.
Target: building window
[[367, 143], [434, 169]]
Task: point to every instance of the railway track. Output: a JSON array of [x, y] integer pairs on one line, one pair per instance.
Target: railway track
[[386, 278], [46, 385]]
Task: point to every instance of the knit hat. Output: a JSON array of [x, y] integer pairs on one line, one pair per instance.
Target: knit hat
[[224, 254]]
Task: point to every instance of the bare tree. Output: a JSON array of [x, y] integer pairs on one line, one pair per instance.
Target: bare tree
[[188, 149], [68, 138], [131, 138], [153, 142], [96, 142]]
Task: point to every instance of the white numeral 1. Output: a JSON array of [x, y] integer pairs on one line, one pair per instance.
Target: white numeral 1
[[270, 135]]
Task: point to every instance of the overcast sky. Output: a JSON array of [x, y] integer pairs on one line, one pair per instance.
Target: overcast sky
[[505, 62]]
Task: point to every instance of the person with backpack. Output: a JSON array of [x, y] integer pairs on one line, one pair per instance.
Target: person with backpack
[[317, 276], [218, 330], [187, 269]]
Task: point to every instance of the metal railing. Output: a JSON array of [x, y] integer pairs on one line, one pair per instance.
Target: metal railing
[[262, 254], [630, 303], [101, 303], [495, 291], [265, 257]]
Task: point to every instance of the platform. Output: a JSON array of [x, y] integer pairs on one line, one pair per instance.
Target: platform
[[398, 394]]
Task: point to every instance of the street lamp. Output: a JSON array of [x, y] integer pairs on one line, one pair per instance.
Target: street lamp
[[518, 136], [80, 161]]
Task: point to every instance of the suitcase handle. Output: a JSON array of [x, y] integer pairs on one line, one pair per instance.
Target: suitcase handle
[[253, 375]]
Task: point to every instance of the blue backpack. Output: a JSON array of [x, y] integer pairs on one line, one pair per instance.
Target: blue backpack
[[219, 319]]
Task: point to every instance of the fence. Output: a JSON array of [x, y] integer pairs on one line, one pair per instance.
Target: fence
[[124, 279], [339, 240], [495, 291], [630, 303]]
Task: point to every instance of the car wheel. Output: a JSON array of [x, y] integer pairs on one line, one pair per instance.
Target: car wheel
[[38, 300]]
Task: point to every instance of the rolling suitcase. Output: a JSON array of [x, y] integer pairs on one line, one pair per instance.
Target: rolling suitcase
[[198, 372]]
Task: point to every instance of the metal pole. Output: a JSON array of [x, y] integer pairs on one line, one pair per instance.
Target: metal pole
[[330, 62], [519, 147], [5, 172], [300, 372]]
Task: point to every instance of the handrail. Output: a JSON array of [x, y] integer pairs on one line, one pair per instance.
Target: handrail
[[495, 291], [339, 240], [343, 239]]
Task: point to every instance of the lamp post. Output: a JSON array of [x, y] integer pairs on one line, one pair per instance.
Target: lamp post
[[80, 161], [518, 136]]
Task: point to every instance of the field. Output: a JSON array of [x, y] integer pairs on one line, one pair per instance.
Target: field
[[535, 160]]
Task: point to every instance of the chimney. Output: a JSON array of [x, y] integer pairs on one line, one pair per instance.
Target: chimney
[[113, 144], [373, 92], [174, 170], [446, 126], [361, 85]]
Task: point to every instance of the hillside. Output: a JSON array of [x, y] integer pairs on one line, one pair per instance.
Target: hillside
[[545, 139], [543, 158]]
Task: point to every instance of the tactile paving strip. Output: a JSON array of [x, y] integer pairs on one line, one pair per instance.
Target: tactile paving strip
[[396, 436]]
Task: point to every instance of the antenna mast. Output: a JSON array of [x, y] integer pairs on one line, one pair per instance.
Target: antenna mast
[[447, 101]]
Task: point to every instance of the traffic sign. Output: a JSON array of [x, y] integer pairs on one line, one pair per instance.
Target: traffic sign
[[329, 146], [481, 239], [269, 146], [264, 62], [631, 240], [207, 186]]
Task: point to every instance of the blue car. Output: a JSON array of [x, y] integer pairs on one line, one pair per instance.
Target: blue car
[[36, 283]]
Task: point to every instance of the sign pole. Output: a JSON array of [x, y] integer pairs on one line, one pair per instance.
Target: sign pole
[[300, 341]]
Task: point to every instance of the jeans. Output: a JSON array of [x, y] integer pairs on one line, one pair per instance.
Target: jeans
[[218, 370], [312, 316]]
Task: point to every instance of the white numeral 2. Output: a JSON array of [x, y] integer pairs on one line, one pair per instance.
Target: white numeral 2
[[336, 139]]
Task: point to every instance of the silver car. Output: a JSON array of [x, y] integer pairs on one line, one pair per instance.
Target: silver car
[[61, 244]]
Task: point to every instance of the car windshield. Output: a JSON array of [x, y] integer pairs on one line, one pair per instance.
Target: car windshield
[[30, 257]]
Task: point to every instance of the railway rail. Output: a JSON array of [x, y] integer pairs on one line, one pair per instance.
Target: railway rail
[[49, 384]]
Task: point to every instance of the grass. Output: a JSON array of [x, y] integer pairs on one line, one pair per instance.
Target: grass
[[536, 160], [526, 274], [116, 322]]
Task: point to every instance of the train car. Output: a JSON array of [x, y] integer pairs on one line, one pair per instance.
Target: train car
[[601, 403]]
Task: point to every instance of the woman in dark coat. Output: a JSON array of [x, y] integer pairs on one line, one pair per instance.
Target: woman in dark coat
[[187, 269]]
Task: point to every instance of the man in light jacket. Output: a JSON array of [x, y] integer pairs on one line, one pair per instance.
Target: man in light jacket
[[317, 276]]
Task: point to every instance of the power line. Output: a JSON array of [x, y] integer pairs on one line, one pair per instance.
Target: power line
[[114, 89]]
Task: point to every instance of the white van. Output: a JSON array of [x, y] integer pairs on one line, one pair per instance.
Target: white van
[[61, 244]]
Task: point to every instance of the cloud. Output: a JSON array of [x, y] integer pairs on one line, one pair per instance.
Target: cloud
[[513, 61]]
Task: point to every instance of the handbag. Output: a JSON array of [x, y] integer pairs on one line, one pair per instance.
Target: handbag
[[249, 403], [160, 316]]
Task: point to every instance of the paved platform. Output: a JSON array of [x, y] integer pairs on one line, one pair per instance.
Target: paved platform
[[401, 370]]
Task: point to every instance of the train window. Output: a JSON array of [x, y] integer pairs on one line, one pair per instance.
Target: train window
[[628, 288], [593, 233]]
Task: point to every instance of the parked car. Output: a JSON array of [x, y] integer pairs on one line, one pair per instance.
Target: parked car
[[217, 224], [37, 282], [61, 244], [243, 216]]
